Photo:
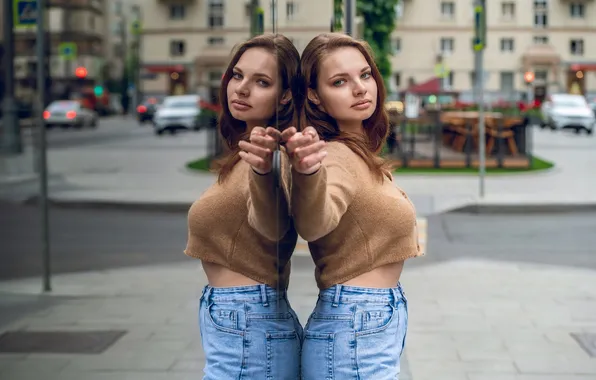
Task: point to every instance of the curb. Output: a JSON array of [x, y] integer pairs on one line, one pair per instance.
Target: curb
[[183, 207], [528, 208], [114, 205]]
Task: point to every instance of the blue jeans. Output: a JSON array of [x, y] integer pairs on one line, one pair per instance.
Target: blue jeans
[[249, 332], [355, 333]]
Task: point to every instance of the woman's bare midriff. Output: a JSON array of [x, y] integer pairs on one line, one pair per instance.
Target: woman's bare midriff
[[222, 277], [386, 276]]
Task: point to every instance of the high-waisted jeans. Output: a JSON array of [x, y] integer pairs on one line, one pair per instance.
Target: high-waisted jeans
[[249, 333], [355, 333]]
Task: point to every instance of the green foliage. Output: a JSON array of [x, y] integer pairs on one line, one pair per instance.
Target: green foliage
[[338, 15], [379, 23]]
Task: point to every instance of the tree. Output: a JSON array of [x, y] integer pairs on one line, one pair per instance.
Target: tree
[[379, 23]]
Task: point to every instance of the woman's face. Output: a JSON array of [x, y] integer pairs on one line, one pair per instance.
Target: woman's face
[[253, 91], [346, 89]]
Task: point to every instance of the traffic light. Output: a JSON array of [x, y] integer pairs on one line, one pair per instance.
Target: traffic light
[[529, 77], [98, 90], [81, 72]]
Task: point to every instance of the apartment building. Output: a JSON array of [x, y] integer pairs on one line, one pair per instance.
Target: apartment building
[[186, 44], [119, 36], [80, 22], [552, 38]]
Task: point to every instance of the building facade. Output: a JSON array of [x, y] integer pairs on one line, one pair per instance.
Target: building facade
[[554, 39], [186, 44], [79, 22]]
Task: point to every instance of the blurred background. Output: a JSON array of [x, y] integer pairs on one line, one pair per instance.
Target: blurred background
[[107, 129]]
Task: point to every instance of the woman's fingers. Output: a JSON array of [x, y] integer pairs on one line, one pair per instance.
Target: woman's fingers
[[255, 149], [257, 163], [307, 150]]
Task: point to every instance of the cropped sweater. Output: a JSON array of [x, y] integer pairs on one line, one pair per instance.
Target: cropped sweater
[[353, 222], [237, 224]]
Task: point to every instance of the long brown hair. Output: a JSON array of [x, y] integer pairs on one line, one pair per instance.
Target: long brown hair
[[376, 127], [233, 130]]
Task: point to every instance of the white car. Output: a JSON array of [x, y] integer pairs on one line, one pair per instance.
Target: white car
[[177, 112], [568, 111], [69, 113]]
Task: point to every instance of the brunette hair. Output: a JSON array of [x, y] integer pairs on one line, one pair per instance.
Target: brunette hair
[[376, 127], [233, 130]]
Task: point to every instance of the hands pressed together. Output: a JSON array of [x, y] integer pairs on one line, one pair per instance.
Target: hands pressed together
[[305, 149]]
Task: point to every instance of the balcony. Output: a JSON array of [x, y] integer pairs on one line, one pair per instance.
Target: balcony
[[94, 5]]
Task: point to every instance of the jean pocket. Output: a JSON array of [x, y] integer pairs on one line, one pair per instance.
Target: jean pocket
[[317, 355], [225, 318], [283, 355], [375, 320], [381, 347]]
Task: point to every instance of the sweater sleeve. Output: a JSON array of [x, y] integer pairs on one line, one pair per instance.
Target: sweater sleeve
[[266, 217], [320, 200]]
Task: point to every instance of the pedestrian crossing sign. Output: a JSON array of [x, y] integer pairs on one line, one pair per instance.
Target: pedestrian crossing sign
[[136, 27], [67, 50], [25, 13]]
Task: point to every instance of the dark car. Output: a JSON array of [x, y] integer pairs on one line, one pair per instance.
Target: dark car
[[146, 110]]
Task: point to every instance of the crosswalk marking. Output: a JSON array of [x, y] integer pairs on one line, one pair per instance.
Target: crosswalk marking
[[302, 245]]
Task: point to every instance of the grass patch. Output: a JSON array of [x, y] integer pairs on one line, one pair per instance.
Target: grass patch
[[538, 164]]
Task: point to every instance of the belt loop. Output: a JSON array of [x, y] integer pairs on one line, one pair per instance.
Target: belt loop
[[395, 296], [336, 296], [207, 293], [264, 295]]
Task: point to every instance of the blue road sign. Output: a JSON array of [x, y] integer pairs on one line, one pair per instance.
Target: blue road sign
[[479, 27], [67, 50], [25, 13]]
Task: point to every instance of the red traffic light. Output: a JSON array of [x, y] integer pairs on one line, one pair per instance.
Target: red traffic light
[[81, 72]]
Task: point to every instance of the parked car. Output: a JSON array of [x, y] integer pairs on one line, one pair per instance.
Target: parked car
[[146, 110], [69, 113], [176, 113], [561, 111]]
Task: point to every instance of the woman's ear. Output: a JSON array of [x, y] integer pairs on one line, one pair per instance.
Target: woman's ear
[[313, 97], [287, 96]]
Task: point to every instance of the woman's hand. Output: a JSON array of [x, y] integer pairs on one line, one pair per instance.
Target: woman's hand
[[258, 152], [305, 149]]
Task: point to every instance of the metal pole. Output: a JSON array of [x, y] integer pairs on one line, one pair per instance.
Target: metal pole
[[42, 155], [350, 10], [138, 90], [479, 67], [10, 121]]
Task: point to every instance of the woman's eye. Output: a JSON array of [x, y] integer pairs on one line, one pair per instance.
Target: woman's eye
[[262, 83], [236, 76], [366, 75], [339, 82]]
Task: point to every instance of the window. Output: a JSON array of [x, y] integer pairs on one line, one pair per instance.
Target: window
[[92, 22], [216, 41], [448, 10], [541, 75], [508, 10], [291, 10], [576, 47], [576, 10], [448, 81], [447, 45], [215, 76], [507, 82], [177, 12], [177, 48], [397, 46], [540, 13], [507, 44], [216, 14], [397, 79], [399, 10], [541, 40]]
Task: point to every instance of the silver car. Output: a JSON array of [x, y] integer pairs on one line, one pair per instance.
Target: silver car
[[69, 113], [176, 113], [561, 111]]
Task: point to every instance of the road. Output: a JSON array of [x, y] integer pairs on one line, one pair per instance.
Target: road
[[110, 129], [91, 239]]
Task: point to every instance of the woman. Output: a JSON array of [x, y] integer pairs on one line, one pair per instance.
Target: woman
[[359, 225], [248, 329]]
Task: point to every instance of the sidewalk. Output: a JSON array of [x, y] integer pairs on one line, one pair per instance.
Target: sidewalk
[[469, 320], [151, 171]]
